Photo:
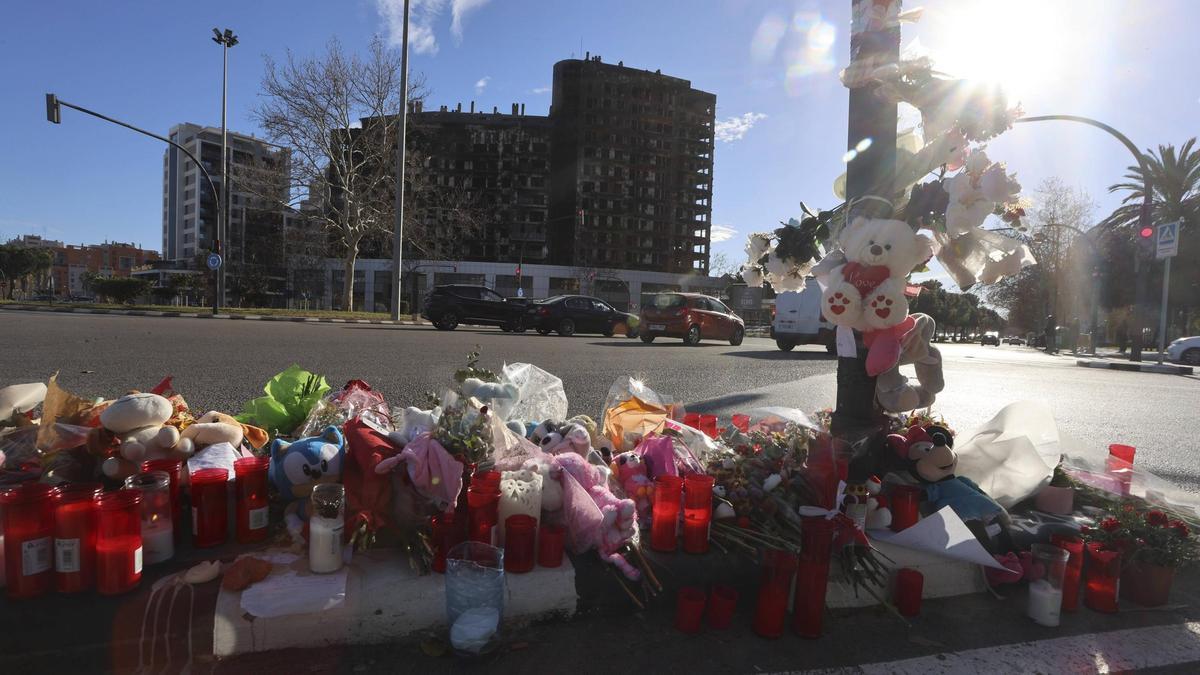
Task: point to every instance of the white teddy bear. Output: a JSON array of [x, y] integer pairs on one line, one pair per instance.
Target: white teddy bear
[[867, 291], [138, 421]]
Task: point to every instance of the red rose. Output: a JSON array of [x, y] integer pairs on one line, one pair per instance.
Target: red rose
[[1156, 518], [1110, 524], [1181, 528]]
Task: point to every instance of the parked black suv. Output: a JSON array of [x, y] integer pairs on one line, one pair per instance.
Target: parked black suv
[[571, 314], [448, 306]]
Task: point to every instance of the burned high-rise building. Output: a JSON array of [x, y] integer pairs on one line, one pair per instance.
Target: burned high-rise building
[[632, 161]]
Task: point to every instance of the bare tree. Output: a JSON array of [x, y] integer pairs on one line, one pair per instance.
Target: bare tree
[[338, 115]]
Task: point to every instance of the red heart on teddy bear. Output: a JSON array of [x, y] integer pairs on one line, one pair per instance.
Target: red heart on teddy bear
[[865, 278]]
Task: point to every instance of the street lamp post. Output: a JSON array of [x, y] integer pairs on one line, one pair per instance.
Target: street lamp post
[[398, 233], [1140, 267], [54, 107], [227, 40]]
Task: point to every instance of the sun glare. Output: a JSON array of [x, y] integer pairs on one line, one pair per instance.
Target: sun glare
[[1018, 44]]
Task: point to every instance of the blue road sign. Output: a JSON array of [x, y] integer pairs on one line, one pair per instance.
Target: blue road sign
[[1168, 241], [214, 261]]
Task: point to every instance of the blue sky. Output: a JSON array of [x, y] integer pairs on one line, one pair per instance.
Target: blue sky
[[773, 66]]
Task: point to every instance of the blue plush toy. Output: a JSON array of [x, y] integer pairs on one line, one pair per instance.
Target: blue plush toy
[[298, 466]]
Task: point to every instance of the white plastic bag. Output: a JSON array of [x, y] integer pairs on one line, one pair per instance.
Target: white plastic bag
[[1013, 454], [541, 397]]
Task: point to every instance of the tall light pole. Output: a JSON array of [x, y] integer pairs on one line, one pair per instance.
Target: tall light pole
[[398, 232], [226, 39]]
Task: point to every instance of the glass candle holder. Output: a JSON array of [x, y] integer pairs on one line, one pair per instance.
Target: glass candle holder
[[1103, 576], [708, 425], [520, 493], [75, 537], [551, 540], [812, 576], [519, 534], [697, 512], [664, 522], [210, 508], [741, 422], [721, 603], [1046, 593], [1119, 465], [689, 609], [909, 586], [1073, 570], [692, 420], [28, 539], [173, 468], [475, 588], [119, 541], [158, 533], [326, 525], [486, 481], [250, 486], [483, 504], [905, 502], [770, 611]]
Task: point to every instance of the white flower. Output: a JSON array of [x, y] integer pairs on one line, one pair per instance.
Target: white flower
[[997, 186], [756, 245], [776, 267], [977, 162], [752, 275], [724, 511]]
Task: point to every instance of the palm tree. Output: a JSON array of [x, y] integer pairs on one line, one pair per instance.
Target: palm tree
[[1175, 180]]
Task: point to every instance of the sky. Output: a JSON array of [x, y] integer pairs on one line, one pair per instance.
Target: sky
[[781, 111]]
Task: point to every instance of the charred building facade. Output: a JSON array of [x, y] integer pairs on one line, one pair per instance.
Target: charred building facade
[[632, 168], [617, 176]]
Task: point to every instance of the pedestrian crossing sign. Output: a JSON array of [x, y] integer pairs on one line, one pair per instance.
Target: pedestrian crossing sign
[[1168, 241]]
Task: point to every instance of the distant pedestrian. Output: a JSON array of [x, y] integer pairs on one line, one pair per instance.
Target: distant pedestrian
[[1050, 330]]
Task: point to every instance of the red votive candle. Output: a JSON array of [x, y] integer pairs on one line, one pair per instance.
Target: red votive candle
[[697, 512], [444, 533], [551, 539], [692, 420], [812, 576], [1119, 464], [770, 611], [519, 534], [689, 609], [486, 480], [721, 603], [75, 537], [483, 511], [210, 511], [250, 484], [906, 506], [708, 425], [28, 539], [119, 541], [664, 522], [1070, 588], [909, 585], [741, 422], [1103, 575], [172, 467]]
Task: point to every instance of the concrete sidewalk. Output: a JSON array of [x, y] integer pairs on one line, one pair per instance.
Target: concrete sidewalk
[[67, 309], [1136, 366]]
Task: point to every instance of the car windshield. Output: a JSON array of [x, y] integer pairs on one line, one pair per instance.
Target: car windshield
[[669, 301]]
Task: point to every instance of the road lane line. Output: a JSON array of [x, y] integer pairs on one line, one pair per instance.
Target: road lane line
[[1115, 651]]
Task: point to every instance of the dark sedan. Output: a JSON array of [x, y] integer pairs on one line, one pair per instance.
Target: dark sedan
[[571, 314]]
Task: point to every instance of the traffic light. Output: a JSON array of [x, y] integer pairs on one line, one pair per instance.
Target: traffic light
[[1146, 240], [53, 111], [1146, 232]]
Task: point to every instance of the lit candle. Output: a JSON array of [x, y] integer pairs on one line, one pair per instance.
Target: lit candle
[[158, 538], [520, 494], [1045, 602]]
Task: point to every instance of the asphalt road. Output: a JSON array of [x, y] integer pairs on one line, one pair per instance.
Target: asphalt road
[[220, 364]]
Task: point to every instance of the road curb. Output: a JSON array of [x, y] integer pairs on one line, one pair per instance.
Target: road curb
[[1164, 369], [201, 315]]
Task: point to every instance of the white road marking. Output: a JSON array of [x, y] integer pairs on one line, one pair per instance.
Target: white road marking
[[1116, 651]]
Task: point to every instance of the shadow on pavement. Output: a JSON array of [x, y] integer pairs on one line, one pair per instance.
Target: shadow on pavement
[[728, 401], [777, 355]]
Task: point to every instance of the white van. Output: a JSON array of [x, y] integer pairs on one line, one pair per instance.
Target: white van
[[798, 320]]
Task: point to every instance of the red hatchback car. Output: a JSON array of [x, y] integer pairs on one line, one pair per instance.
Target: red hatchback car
[[690, 316]]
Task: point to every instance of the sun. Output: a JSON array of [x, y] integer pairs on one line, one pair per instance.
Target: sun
[[1019, 44]]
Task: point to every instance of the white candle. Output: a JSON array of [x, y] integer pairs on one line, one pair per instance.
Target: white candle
[[1045, 602], [520, 494], [325, 544], [158, 540]]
